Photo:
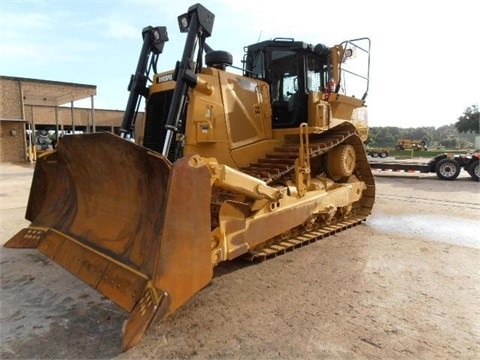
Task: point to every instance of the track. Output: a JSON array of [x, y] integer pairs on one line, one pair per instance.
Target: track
[[280, 164], [282, 246]]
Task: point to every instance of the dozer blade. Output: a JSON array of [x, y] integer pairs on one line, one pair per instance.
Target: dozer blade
[[124, 220]]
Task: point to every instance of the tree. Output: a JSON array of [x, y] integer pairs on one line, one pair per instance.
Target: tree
[[446, 135], [469, 121], [449, 143]]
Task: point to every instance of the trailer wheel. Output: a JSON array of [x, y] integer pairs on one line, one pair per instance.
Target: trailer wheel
[[383, 154], [374, 154], [447, 169], [474, 170]]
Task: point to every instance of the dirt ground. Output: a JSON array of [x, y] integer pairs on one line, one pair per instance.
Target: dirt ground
[[403, 285]]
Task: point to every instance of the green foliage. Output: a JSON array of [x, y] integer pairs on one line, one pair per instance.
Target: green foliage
[[443, 137], [469, 121]]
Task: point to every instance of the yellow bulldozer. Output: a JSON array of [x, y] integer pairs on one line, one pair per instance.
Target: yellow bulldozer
[[411, 144], [228, 163]]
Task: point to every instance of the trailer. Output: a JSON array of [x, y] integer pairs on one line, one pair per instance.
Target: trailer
[[381, 153], [446, 166]]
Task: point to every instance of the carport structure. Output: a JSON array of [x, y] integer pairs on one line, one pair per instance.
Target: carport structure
[[27, 105], [40, 104], [44, 105]]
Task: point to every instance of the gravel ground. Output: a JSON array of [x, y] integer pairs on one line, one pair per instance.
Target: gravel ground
[[403, 285]]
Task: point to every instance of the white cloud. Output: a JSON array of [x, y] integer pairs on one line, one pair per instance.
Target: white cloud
[[114, 26], [25, 20]]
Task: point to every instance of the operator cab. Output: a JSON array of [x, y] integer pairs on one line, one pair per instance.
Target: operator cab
[[285, 64], [293, 69]]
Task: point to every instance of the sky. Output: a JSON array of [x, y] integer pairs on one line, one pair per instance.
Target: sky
[[425, 55]]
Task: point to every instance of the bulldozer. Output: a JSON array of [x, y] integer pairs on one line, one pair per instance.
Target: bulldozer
[[229, 162], [411, 144]]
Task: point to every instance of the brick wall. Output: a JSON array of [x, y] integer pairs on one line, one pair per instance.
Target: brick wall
[[12, 143], [10, 99]]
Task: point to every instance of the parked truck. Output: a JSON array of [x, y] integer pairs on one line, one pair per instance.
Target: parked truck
[[378, 152], [446, 166]]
